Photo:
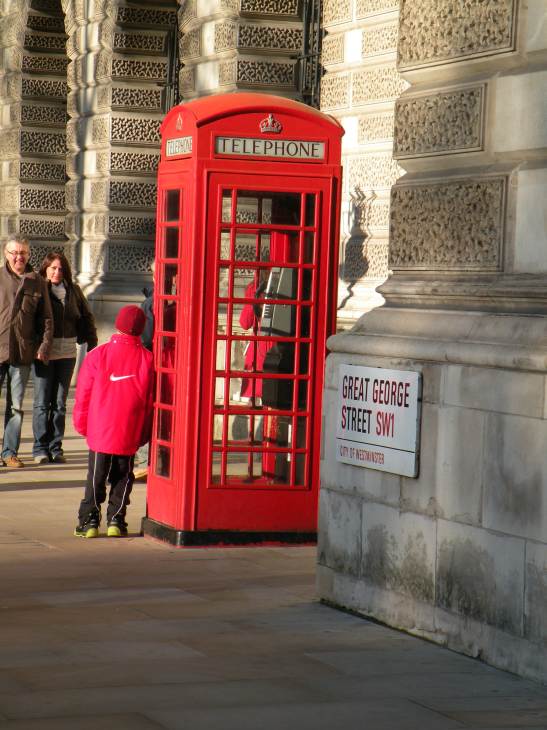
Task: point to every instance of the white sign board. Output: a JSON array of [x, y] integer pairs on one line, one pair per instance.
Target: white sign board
[[178, 146], [378, 419], [295, 149]]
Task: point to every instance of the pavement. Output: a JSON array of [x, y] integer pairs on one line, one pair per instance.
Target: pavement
[[133, 633]]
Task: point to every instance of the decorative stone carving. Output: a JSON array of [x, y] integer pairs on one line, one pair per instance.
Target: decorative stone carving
[[225, 36], [124, 97], [380, 39], [336, 11], [448, 226], [145, 17], [34, 88], [97, 257], [271, 37], [187, 80], [375, 128], [42, 172], [125, 68], [373, 171], [335, 91], [43, 143], [134, 130], [449, 121], [332, 49], [433, 33], [374, 7], [229, 5], [190, 44], [9, 143], [99, 193], [132, 195], [287, 8], [100, 130], [32, 199], [124, 226], [140, 42], [45, 42], [41, 227], [379, 214], [377, 84], [45, 24], [125, 257], [189, 13], [144, 163], [43, 115], [265, 73], [39, 251], [44, 64], [227, 72]]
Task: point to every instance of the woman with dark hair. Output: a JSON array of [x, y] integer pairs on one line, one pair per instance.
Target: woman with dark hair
[[73, 323]]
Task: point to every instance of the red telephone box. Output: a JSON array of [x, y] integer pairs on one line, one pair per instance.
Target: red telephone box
[[246, 272]]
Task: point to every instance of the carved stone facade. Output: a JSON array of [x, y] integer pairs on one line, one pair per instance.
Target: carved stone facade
[[456, 554], [360, 87]]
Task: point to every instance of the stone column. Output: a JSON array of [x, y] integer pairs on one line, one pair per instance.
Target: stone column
[[13, 16], [230, 45], [359, 88], [458, 554]]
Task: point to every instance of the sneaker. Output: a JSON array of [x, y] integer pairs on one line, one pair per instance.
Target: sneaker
[[88, 527], [41, 459], [117, 527], [59, 459], [14, 462]]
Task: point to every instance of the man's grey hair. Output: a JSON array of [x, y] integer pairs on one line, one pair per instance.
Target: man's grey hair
[[21, 240]]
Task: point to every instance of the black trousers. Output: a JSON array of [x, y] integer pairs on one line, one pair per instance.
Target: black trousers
[[118, 471]]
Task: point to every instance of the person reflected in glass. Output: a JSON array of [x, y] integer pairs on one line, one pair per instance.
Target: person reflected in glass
[[255, 352], [73, 324]]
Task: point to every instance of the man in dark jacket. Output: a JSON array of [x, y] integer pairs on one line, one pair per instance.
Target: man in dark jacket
[[26, 332]]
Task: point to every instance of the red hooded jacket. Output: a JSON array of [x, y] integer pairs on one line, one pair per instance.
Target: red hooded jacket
[[114, 396]]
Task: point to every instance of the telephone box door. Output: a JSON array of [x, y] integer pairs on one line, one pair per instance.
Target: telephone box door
[[265, 329]]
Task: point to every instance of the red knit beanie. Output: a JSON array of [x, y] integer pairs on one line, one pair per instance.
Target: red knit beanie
[[130, 320]]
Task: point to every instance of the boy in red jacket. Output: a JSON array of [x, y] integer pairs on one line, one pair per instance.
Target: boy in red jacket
[[113, 410]]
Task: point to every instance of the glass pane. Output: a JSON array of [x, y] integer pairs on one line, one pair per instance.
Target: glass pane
[[171, 243], [223, 281], [237, 464], [268, 207], [166, 388], [300, 469], [164, 428], [218, 425], [219, 391], [277, 393], [163, 461], [245, 283], [172, 205], [167, 352], [245, 247], [225, 245], [305, 323], [246, 428], [310, 210], [222, 318], [226, 206], [283, 247], [169, 315], [221, 355], [304, 358], [307, 280], [170, 279], [300, 440], [309, 248]]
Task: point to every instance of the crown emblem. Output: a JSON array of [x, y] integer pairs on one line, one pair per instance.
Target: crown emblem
[[178, 124], [270, 125]]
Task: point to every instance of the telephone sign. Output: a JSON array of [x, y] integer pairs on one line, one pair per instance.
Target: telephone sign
[[245, 297]]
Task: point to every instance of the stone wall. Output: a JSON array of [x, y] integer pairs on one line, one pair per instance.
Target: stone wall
[[458, 554]]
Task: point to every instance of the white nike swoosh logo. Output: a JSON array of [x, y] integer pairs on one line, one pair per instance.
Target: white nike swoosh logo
[[113, 378]]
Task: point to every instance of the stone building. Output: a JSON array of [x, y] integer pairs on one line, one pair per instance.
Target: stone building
[[443, 103]]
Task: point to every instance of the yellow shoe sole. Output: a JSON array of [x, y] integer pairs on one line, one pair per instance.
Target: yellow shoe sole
[[92, 532], [114, 531]]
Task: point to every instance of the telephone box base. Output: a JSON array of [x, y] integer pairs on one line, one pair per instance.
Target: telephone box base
[[203, 538]]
